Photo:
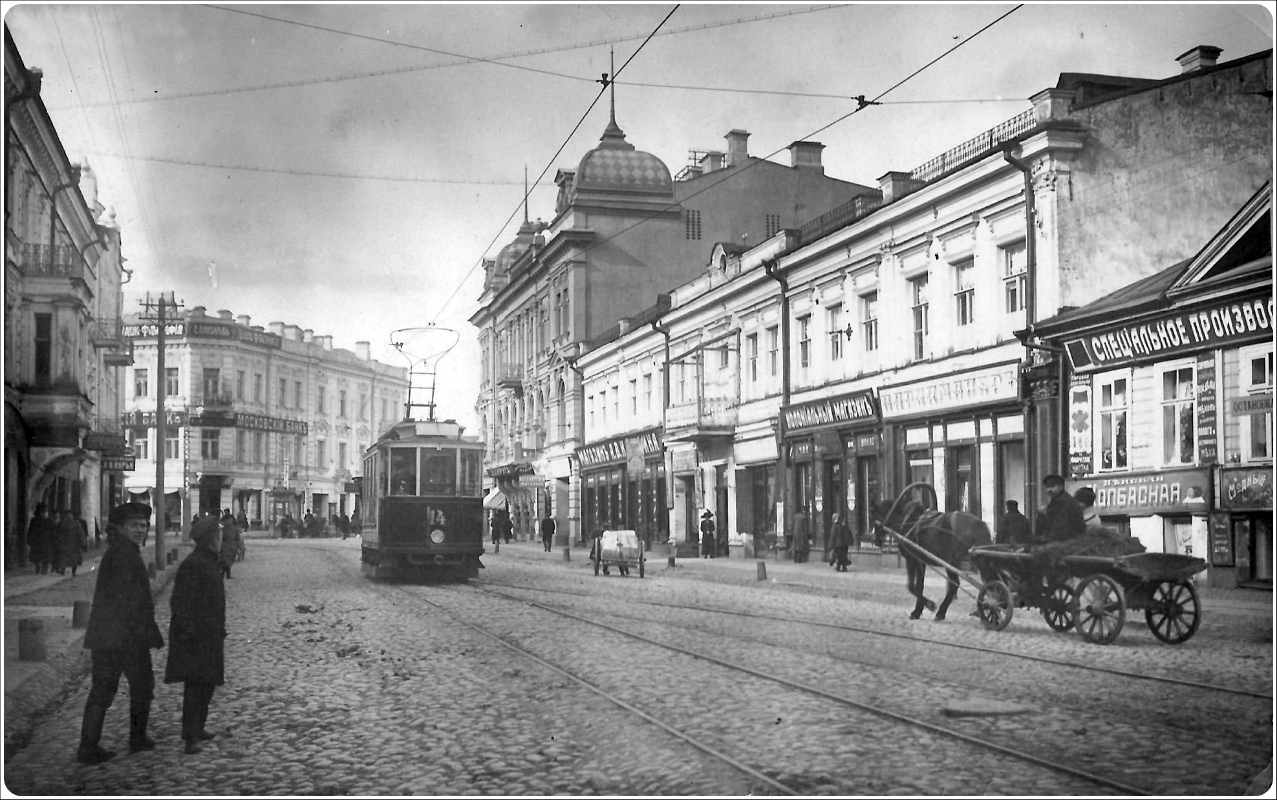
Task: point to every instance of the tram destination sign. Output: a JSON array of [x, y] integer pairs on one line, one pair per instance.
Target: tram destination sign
[[1210, 325]]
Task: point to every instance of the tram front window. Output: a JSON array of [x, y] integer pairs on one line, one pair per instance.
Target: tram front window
[[439, 472], [403, 471]]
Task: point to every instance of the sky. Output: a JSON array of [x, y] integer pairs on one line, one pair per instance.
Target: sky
[[347, 167]]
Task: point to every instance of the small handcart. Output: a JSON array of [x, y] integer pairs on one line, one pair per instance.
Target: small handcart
[[620, 549], [1090, 593]]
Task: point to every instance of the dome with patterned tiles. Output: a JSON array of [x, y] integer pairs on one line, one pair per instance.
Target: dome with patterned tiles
[[512, 252], [615, 165]]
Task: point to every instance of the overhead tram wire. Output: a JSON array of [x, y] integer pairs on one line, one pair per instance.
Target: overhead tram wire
[[863, 104], [461, 61], [607, 81]]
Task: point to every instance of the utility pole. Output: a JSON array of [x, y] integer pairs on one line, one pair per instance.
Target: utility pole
[[161, 417]]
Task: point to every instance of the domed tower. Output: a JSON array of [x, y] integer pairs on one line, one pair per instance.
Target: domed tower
[[616, 172]]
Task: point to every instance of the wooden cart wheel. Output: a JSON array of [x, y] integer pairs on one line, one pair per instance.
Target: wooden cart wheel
[[1100, 608], [1057, 607], [994, 605], [1175, 613]]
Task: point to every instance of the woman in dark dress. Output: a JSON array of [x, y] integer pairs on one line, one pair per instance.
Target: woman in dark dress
[[197, 631]]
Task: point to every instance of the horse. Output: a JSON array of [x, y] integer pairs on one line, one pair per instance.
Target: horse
[[948, 536]]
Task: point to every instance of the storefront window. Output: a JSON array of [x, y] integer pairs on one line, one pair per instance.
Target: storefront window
[[1113, 402], [1257, 377], [1179, 416], [962, 492]]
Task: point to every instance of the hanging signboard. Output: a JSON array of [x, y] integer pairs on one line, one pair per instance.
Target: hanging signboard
[[1246, 488], [1182, 491], [1221, 540], [1207, 441]]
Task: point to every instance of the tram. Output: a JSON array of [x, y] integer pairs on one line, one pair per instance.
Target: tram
[[422, 500]]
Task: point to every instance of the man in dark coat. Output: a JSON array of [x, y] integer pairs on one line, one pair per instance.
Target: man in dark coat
[[40, 538], [840, 539], [802, 536], [229, 543], [121, 634], [67, 544], [197, 631], [1062, 518], [1014, 528], [547, 532]]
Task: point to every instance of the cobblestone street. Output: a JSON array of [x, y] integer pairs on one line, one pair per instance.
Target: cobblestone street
[[337, 685]]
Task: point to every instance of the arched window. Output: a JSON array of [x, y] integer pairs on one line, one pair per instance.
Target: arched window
[[562, 426]]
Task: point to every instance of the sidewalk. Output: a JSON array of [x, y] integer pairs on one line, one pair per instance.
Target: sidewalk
[[29, 686]]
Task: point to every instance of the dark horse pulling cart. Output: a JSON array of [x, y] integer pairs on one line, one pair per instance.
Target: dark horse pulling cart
[[1090, 593]]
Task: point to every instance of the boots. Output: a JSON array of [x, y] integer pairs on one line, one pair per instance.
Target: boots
[[138, 741], [90, 732]]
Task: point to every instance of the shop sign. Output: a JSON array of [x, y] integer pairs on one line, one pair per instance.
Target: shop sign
[[862, 443], [146, 419], [619, 450], [204, 329], [256, 422], [104, 442], [1221, 540], [1246, 488], [801, 451], [1080, 426], [510, 470], [852, 408], [1207, 439], [118, 463], [985, 385], [1179, 332], [1251, 405], [1182, 491]]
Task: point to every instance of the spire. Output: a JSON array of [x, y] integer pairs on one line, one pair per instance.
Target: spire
[[613, 137], [525, 194]]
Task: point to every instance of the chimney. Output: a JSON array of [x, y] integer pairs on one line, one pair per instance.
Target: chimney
[[259, 329], [308, 335], [245, 320], [325, 342], [363, 350], [197, 312], [711, 161], [806, 155], [1200, 57], [895, 185], [276, 328], [737, 146], [226, 315], [623, 326], [293, 332]]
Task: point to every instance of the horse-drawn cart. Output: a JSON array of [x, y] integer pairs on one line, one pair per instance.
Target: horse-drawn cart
[[620, 549], [1089, 593]]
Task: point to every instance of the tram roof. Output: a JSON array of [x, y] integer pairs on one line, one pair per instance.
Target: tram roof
[[426, 430]]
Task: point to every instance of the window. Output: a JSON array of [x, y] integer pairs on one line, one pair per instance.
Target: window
[[869, 315], [297, 394], [616, 403], [241, 446], [172, 443], [751, 353], [172, 382], [341, 403], [603, 406], [139, 441], [773, 352], [591, 411], [647, 392], [363, 407], [835, 331], [682, 383], [299, 452], [257, 387], [259, 447], [44, 348], [1113, 402], [239, 385], [212, 379], [804, 342], [773, 225], [140, 387], [724, 356], [321, 455], [1179, 416], [1257, 425], [341, 455], [964, 294], [692, 225], [1015, 265], [918, 289], [634, 397], [210, 444], [283, 393], [321, 399]]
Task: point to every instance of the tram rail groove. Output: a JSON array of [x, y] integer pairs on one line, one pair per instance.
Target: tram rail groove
[[918, 639], [820, 693]]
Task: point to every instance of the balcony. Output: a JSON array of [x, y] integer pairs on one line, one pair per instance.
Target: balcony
[[707, 418], [213, 395], [51, 261], [107, 334], [511, 377], [215, 466], [105, 435]]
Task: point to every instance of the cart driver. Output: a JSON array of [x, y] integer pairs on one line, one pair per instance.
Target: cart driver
[[1061, 519]]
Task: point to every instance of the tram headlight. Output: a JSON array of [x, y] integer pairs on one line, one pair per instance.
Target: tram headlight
[[436, 536]]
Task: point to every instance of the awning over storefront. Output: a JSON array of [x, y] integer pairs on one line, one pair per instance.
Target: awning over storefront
[[500, 497]]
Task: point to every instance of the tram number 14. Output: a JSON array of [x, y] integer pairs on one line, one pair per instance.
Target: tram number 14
[[435, 518]]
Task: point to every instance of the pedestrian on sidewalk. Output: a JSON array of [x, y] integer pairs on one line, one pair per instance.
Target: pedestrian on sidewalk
[[229, 543], [1014, 527], [708, 541], [547, 531], [121, 634], [840, 538], [802, 536], [197, 631], [70, 535], [40, 538]]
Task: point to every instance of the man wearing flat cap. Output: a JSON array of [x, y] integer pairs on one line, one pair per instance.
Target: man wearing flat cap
[[197, 630], [121, 634]]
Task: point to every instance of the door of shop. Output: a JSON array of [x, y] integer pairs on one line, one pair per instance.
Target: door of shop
[[868, 492]]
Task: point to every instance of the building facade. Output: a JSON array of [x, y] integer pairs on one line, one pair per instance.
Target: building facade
[[1170, 402], [62, 342], [269, 421], [624, 229]]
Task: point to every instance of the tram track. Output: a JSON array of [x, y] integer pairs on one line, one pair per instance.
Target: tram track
[[1095, 783], [862, 629]]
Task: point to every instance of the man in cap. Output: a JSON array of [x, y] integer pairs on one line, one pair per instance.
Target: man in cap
[[197, 631], [121, 634], [1062, 518]]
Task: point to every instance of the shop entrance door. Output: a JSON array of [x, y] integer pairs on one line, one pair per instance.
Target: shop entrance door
[[868, 493]]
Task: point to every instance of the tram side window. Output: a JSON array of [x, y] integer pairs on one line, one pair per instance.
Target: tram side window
[[371, 488], [471, 465], [403, 471], [438, 472]]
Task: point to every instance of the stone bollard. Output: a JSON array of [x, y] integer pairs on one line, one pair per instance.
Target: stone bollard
[[762, 570], [30, 640], [80, 614], [567, 554]]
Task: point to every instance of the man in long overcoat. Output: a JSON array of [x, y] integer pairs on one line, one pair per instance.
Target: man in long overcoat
[[69, 538], [40, 537], [802, 536], [121, 634], [1061, 520], [229, 544], [197, 631]]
